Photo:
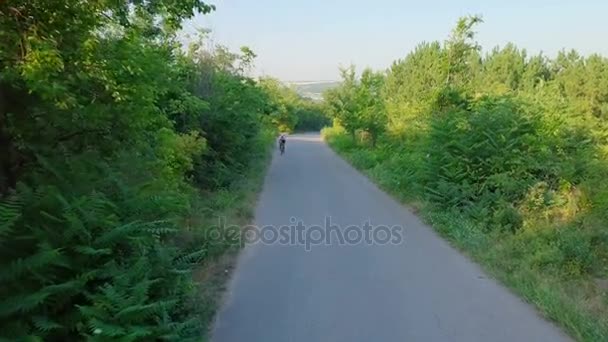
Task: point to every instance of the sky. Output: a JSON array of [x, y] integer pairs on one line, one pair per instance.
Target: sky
[[308, 40]]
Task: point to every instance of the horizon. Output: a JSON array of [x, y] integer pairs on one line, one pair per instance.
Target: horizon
[[306, 42]]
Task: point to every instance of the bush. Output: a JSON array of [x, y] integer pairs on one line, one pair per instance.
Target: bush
[[486, 154], [311, 117], [93, 260], [109, 133]]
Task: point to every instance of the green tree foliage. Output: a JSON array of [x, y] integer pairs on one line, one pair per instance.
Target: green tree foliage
[[490, 127], [358, 105], [460, 49], [108, 131], [411, 85], [342, 102], [370, 104], [516, 144], [231, 120], [284, 102], [311, 116], [503, 70], [291, 112], [483, 156]]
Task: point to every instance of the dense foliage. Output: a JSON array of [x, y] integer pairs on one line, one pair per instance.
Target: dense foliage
[[515, 144], [109, 134], [311, 116], [291, 111], [357, 104]]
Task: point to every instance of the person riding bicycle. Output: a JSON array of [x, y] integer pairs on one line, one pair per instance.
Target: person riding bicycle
[[282, 140]]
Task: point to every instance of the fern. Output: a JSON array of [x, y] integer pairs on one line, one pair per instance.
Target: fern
[[103, 329], [44, 258], [22, 303], [45, 325], [191, 258], [10, 212], [88, 250], [117, 233], [159, 228]]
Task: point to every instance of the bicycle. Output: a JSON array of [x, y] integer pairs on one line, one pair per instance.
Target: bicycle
[[282, 146]]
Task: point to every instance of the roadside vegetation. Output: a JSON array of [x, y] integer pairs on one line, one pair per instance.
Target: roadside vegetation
[[119, 150], [297, 113], [504, 153]]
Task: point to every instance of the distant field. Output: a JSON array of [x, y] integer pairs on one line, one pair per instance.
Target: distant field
[[313, 89]]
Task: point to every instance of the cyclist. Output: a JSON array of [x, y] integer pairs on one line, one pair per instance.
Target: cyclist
[[282, 140]]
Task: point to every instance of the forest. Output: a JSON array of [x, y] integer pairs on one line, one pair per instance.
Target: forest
[[117, 148], [505, 153]]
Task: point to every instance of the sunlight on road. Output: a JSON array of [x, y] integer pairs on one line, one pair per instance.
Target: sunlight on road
[[313, 137]]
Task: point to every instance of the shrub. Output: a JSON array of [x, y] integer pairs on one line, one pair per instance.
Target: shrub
[[486, 152], [108, 135]]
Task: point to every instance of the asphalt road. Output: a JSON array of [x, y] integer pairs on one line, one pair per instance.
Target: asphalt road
[[418, 290]]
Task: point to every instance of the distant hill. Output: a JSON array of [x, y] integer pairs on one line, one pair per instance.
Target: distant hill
[[313, 89]]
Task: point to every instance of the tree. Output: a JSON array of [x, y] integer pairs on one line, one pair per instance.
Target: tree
[[370, 104], [246, 58], [284, 102], [311, 116], [342, 101], [503, 70], [410, 87], [459, 48]]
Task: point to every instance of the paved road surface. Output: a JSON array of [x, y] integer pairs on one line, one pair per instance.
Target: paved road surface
[[420, 290]]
